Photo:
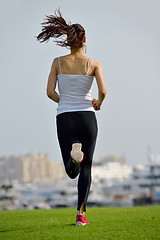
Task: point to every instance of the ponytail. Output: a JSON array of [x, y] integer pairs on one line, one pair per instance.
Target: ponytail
[[69, 35]]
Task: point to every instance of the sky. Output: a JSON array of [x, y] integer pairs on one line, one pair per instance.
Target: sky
[[124, 35]]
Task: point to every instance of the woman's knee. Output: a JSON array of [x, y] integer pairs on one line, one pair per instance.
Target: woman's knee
[[71, 174]]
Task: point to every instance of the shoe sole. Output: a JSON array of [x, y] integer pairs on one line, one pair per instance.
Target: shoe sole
[[76, 153], [80, 224]]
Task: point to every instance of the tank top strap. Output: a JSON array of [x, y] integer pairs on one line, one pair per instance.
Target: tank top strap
[[89, 66], [59, 65]]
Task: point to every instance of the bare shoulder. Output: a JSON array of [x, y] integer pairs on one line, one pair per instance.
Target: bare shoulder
[[54, 65], [55, 61], [64, 57], [97, 67], [96, 64]]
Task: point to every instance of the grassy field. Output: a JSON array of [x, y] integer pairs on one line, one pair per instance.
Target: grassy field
[[138, 223]]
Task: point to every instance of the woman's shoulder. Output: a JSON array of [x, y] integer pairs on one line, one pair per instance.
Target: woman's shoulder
[[96, 62], [93, 60], [96, 65], [56, 59], [83, 57], [66, 58], [62, 56]]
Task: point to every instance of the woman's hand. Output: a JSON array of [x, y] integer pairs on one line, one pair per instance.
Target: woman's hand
[[96, 104]]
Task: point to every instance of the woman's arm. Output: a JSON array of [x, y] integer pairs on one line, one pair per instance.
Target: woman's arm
[[101, 87], [52, 79]]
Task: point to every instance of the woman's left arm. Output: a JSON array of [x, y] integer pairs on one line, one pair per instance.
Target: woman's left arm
[[52, 80]]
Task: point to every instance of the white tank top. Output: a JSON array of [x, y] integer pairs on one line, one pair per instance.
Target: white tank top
[[74, 92]]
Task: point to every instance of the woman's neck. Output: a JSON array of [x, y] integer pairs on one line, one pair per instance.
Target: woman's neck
[[77, 50]]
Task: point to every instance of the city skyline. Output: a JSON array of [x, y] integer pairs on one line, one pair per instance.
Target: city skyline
[[35, 168], [123, 35]]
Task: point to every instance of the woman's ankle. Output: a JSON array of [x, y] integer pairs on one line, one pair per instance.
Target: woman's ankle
[[80, 213]]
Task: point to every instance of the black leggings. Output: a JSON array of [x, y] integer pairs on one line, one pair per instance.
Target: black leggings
[[78, 127]]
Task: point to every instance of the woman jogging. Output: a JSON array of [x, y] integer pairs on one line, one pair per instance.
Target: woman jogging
[[76, 120]]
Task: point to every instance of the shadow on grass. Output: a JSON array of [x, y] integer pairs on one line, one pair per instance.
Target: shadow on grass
[[62, 225], [6, 230], [30, 229], [70, 224]]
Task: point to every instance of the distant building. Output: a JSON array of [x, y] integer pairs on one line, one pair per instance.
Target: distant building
[[111, 168], [112, 158], [29, 168]]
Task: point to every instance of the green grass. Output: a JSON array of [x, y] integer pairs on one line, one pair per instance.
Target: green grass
[[138, 223]]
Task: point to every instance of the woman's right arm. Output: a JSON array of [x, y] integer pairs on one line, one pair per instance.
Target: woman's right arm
[[101, 87], [52, 80]]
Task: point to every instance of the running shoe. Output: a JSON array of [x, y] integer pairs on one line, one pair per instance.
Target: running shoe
[[81, 220], [76, 153]]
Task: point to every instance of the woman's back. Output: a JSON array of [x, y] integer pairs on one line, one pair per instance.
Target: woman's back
[[74, 84], [76, 64]]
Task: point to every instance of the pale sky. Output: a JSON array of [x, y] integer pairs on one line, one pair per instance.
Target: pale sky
[[124, 35]]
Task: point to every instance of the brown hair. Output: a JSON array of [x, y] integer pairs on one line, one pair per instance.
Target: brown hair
[[55, 26]]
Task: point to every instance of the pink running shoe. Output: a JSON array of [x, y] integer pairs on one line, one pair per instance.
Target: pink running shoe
[[81, 220]]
